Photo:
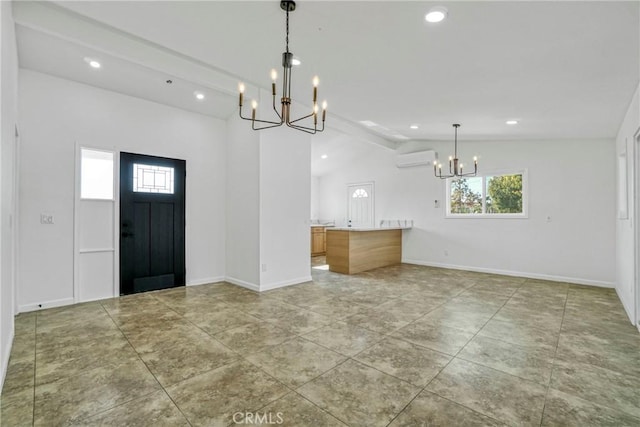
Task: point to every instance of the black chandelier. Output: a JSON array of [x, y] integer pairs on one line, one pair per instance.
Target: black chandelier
[[455, 167], [284, 115]]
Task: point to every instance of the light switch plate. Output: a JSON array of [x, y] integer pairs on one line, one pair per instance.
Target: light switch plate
[[46, 218]]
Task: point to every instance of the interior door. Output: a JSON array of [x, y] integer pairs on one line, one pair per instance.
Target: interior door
[[360, 205], [152, 223]]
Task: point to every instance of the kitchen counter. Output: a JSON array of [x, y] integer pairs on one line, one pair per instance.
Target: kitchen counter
[[352, 250], [369, 228]]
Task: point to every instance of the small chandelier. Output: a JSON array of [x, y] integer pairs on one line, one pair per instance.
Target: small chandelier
[[455, 167], [284, 115]]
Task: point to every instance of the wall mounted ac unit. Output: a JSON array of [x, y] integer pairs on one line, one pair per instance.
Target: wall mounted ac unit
[[419, 158]]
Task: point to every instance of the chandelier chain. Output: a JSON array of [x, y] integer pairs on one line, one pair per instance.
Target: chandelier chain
[[287, 38]]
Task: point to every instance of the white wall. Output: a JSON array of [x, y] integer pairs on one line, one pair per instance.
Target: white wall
[[243, 204], [573, 182], [315, 197], [57, 113], [268, 203], [285, 180], [8, 121], [625, 259]]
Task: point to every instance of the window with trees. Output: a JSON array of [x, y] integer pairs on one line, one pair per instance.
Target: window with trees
[[496, 195]]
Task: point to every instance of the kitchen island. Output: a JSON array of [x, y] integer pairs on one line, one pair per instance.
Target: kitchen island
[[354, 250]]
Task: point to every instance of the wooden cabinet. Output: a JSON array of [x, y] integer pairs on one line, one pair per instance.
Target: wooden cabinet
[[318, 241], [350, 251]]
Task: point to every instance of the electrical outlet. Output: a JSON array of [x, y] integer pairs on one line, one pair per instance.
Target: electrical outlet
[[549, 218], [436, 203]]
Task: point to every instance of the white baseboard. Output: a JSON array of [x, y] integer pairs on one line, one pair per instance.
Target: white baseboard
[[46, 304], [242, 283], [268, 286], [5, 359], [552, 278], [205, 281], [276, 285]]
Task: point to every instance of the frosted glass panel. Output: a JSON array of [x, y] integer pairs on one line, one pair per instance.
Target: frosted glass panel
[[152, 179], [96, 174]]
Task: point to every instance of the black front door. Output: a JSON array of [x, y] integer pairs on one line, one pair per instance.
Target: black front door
[[151, 223]]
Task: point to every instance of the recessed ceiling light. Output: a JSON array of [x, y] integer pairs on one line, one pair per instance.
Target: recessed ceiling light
[[511, 122], [436, 14], [324, 156], [199, 95], [413, 127], [92, 62], [296, 61]]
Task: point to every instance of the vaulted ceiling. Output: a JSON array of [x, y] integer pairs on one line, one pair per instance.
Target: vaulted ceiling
[[563, 69]]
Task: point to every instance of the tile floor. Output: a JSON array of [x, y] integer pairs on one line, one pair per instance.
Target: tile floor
[[398, 346]]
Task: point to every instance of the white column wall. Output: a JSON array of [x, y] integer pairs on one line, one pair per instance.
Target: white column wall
[[243, 204], [285, 199]]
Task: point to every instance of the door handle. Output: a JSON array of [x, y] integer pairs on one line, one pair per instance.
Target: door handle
[[127, 234]]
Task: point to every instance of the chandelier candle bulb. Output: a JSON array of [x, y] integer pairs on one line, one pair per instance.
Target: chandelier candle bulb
[[315, 89], [324, 110], [274, 77], [241, 90]]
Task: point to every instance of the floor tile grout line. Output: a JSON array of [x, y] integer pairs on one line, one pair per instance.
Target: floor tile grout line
[[322, 409], [571, 394], [453, 358], [148, 369], [201, 373], [35, 384], [295, 390], [555, 353], [423, 389], [35, 366]]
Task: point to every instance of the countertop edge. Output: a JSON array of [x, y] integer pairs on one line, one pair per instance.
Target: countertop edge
[[367, 229]]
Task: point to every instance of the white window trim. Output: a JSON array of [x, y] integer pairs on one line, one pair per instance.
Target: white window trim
[[525, 197]]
